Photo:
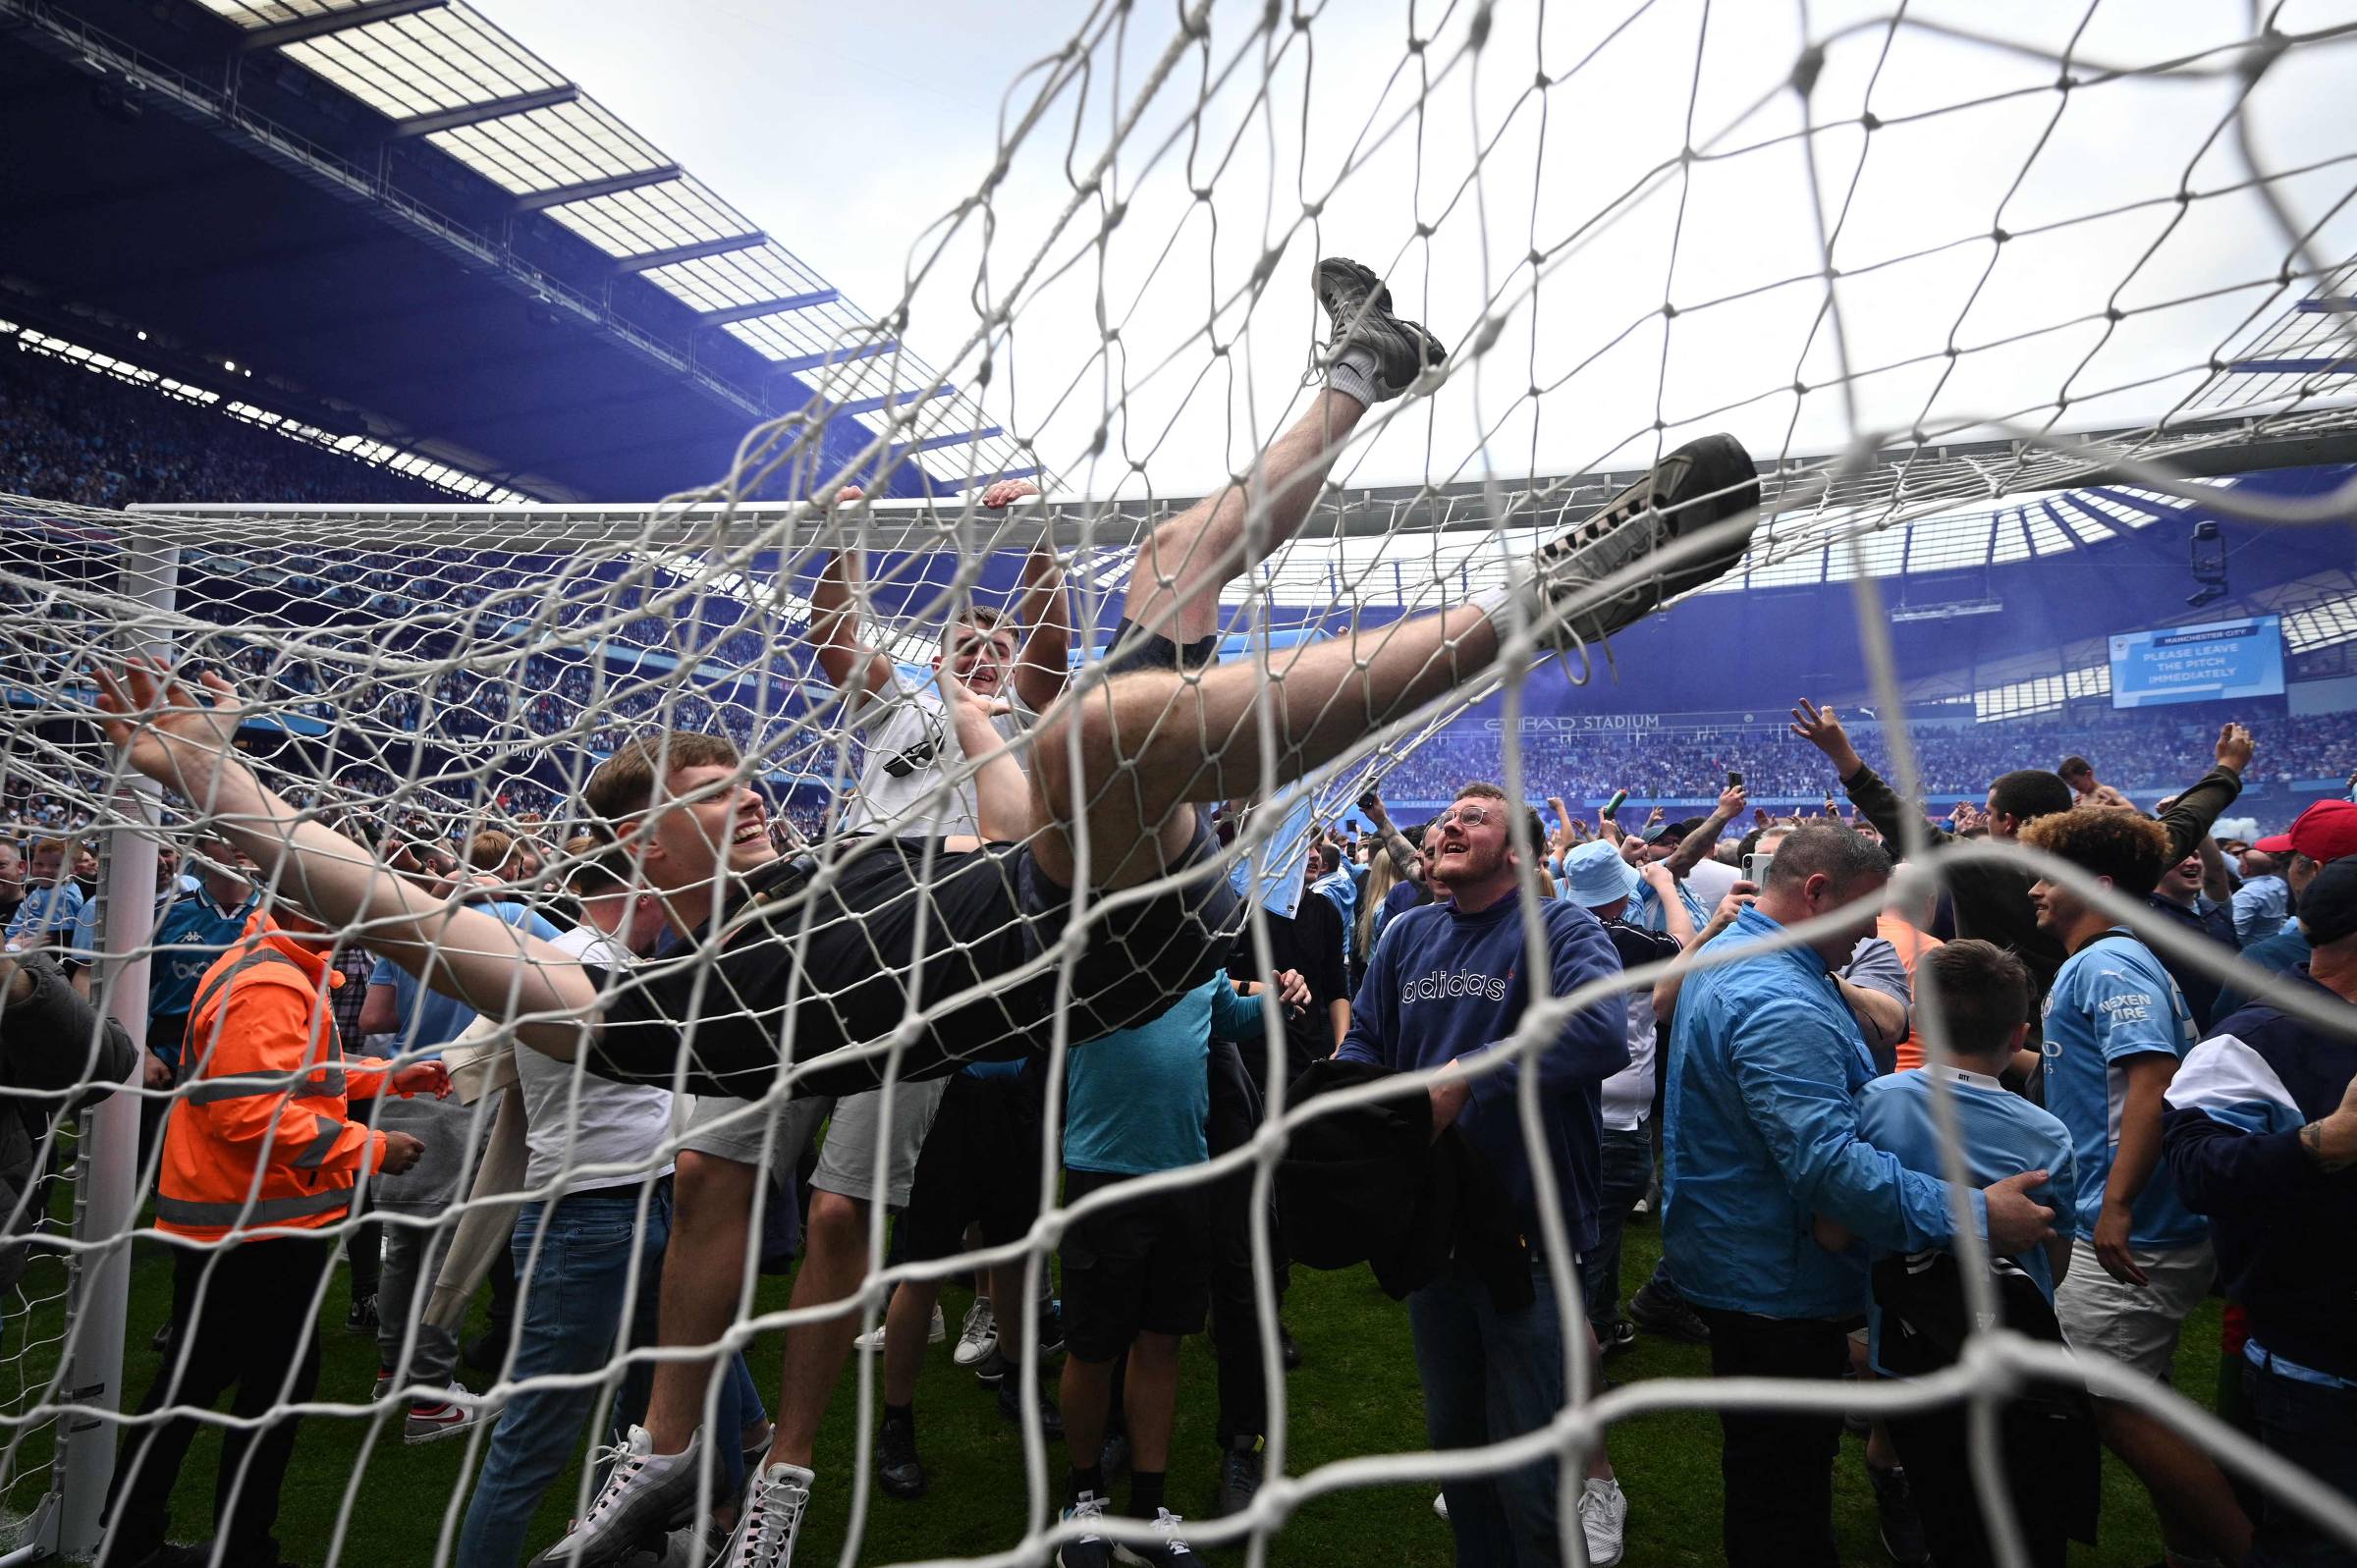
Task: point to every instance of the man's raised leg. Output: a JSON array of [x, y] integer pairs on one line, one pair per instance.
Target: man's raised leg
[[1372, 356]]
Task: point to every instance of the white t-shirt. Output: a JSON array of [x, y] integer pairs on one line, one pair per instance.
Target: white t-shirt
[[909, 746], [608, 1123], [1711, 881]]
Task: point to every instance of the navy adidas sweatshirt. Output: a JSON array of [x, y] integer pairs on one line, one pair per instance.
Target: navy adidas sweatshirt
[[1443, 984]]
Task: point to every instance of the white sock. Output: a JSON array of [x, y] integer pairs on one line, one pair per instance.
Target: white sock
[[1514, 604], [1354, 375]]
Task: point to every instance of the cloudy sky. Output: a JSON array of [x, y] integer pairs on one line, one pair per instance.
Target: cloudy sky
[[859, 135]]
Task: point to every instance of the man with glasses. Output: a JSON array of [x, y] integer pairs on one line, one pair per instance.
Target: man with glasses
[[1446, 988]]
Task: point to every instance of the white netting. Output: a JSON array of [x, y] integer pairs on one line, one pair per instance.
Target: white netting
[[1905, 258]]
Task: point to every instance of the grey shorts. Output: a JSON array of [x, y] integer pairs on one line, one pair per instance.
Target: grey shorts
[[730, 1128], [2135, 1325]]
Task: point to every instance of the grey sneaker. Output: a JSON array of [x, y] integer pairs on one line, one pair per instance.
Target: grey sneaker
[[645, 1496], [433, 1420], [772, 1521], [1359, 308], [1702, 482]]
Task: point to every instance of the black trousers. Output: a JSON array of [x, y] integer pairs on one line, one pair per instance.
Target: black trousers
[[252, 1326], [1235, 1112], [1778, 1466]]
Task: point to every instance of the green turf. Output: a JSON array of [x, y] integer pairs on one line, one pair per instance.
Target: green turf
[[1356, 1394]]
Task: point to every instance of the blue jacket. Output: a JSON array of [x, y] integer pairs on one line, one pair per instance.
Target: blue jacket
[[1442, 983], [2281, 1226], [1762, 1134]]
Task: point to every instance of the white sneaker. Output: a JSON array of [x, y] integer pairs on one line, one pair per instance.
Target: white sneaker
[[872, 1342], [772, 1520], [980, 1335], [1604, 1520], [646, 1494]]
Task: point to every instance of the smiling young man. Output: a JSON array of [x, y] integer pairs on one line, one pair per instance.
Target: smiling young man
[[1447, 985], [2115, 1028], [885, 958]]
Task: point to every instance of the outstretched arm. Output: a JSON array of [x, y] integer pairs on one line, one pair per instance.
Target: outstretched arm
[[1875, 800], [1404, 858], [187, 743], [836, 636], [1696, 846], [2190, 815]]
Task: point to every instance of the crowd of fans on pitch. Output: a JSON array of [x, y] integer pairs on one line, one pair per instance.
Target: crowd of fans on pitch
[[2168, 1175]]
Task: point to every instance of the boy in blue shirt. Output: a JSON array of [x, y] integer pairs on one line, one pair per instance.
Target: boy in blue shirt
[[1983, 995], [1138, 1276], [2115, 1027]]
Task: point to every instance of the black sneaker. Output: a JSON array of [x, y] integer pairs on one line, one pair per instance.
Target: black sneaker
[[1168, 1549], [1701, 483], [991, 1371], [1242, 1466], [1051, 1416], [897, 1469], [1288, 1352], [361, 1319], [1665, 1313], [1086, 1550], [1902, 1525], [1359, 309], [1617, 1337]]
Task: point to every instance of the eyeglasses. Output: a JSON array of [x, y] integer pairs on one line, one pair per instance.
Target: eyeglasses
[[1468, 816]]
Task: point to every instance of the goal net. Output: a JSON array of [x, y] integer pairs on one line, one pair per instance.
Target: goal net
[[1930, 266]]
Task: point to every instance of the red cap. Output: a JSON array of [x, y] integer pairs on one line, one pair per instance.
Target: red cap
[[2324, 833]]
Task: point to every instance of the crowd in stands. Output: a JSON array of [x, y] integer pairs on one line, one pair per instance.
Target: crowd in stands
[[69, 434], [1676, 761]]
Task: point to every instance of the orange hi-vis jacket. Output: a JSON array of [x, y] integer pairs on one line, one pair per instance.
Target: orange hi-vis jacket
[[263, 1138]]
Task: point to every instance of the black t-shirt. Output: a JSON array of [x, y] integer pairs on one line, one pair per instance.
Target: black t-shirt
[[842, 956], [1311, 944]]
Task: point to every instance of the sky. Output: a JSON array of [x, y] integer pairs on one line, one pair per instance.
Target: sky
[[1138, 270]]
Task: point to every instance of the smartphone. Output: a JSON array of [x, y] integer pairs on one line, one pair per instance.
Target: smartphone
[[1734, 779], [1755, 869]]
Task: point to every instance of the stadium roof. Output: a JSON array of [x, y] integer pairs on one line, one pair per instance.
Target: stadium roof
[[401, 213]]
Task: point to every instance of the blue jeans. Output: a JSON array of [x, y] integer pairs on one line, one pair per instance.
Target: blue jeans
[[1489, 1375], [572, 1298], [1624, 1175], [2314, 1427]]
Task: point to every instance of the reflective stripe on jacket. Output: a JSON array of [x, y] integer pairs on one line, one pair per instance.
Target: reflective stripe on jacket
[[262, 1136]]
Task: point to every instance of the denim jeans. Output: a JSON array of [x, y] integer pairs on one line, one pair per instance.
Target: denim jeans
[[572, 1300], [1623, 1174], [2316, 1427], [1489, 1375]]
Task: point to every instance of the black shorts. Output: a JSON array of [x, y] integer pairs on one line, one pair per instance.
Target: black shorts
[[979, 1165], [834, 954], [1140, 1266]]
